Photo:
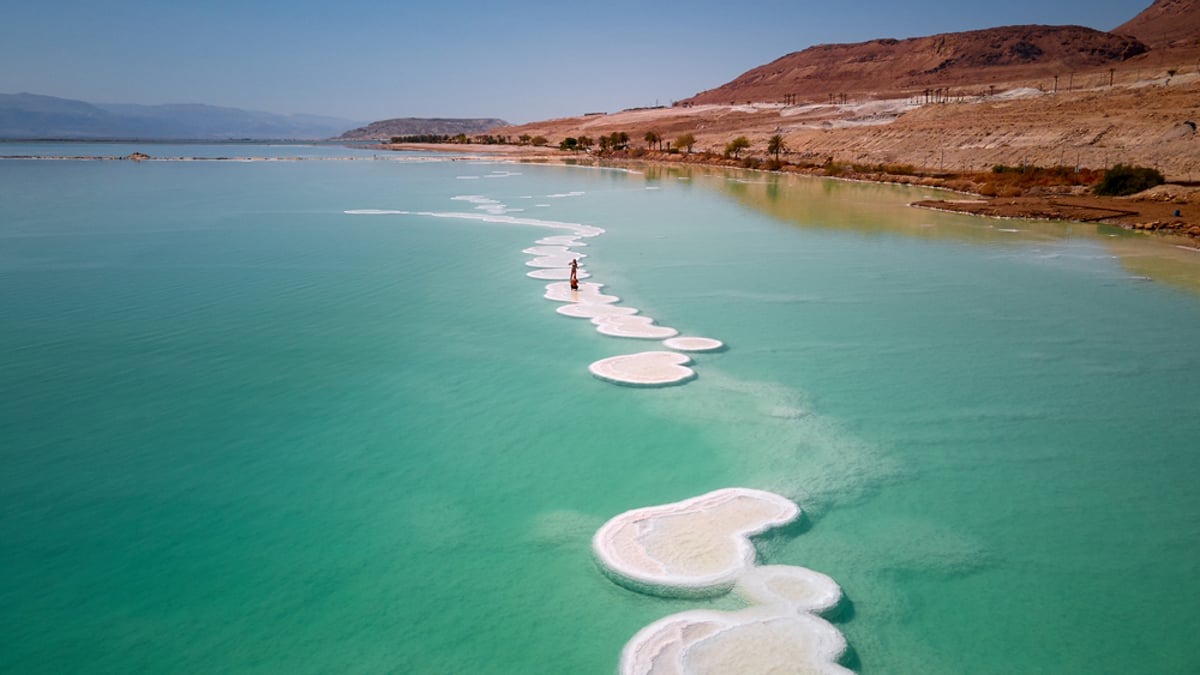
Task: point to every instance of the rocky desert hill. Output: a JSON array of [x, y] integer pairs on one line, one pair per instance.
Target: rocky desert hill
[[417, 126], [1039, 94], [975, 60], [1166, 23]]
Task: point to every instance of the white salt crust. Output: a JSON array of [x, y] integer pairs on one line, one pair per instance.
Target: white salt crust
[[555, 251], [629, 326], [700, 545], [754, 640], [592, 310], [552, 273], [646, 369], [571, 240], [559, 260], [794, 588], [588, 292], [693, 344], [577, 228], [695, 547]]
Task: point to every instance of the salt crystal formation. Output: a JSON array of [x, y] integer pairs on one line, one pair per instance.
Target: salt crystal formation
[[552, 257], [571, 240], [592, 310], [647, 369], [696, 547], [589, 292], [700, 546], [632, 327], [693, 344], [556, 273]]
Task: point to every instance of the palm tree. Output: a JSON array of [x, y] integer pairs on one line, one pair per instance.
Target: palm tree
[[652, 137], [776, 145]]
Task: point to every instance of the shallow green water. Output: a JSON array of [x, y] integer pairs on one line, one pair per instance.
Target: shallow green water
[[244, 430]]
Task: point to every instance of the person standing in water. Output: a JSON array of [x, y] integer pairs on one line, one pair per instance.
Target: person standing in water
[[574, 278]]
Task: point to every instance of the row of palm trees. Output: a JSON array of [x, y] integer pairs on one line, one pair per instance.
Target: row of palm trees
[[653, 138], [775, 146], [619, 140]]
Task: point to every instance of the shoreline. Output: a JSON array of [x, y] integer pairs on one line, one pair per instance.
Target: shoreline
[[1150, 212]]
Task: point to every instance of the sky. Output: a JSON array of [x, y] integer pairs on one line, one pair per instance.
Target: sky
[[521, 60]]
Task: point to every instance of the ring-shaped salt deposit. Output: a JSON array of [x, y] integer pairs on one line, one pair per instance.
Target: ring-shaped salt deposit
[[695, 547], [755, 640], [629, 326], [588, 292], [789, 587], [644, 369], [693, 344], [591, 310], [553, 273]]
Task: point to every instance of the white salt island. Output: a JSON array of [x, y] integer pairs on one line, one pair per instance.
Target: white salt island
[[693, 344], [701, 546], [693, 548], [645, 369]]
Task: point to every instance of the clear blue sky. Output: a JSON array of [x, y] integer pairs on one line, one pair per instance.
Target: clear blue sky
[[521, 60]]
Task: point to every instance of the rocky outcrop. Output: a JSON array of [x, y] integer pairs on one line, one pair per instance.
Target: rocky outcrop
[[1165, 23]]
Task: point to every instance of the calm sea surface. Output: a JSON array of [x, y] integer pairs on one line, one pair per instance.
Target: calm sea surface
[[243, 430]]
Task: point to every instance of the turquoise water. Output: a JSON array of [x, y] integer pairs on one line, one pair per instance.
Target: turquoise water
[[246, 431]]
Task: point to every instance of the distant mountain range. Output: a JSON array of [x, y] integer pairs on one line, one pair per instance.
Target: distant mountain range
[[415, 126], [36, 116]]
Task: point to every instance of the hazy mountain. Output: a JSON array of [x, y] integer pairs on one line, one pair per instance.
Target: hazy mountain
[[416, 126], [36, 116]]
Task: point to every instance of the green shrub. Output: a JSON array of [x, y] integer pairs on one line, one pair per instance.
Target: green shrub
[[1125, 179]]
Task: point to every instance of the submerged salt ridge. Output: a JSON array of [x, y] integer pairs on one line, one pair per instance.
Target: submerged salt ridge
[[553, 256], [701, 547], [651, 368]]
